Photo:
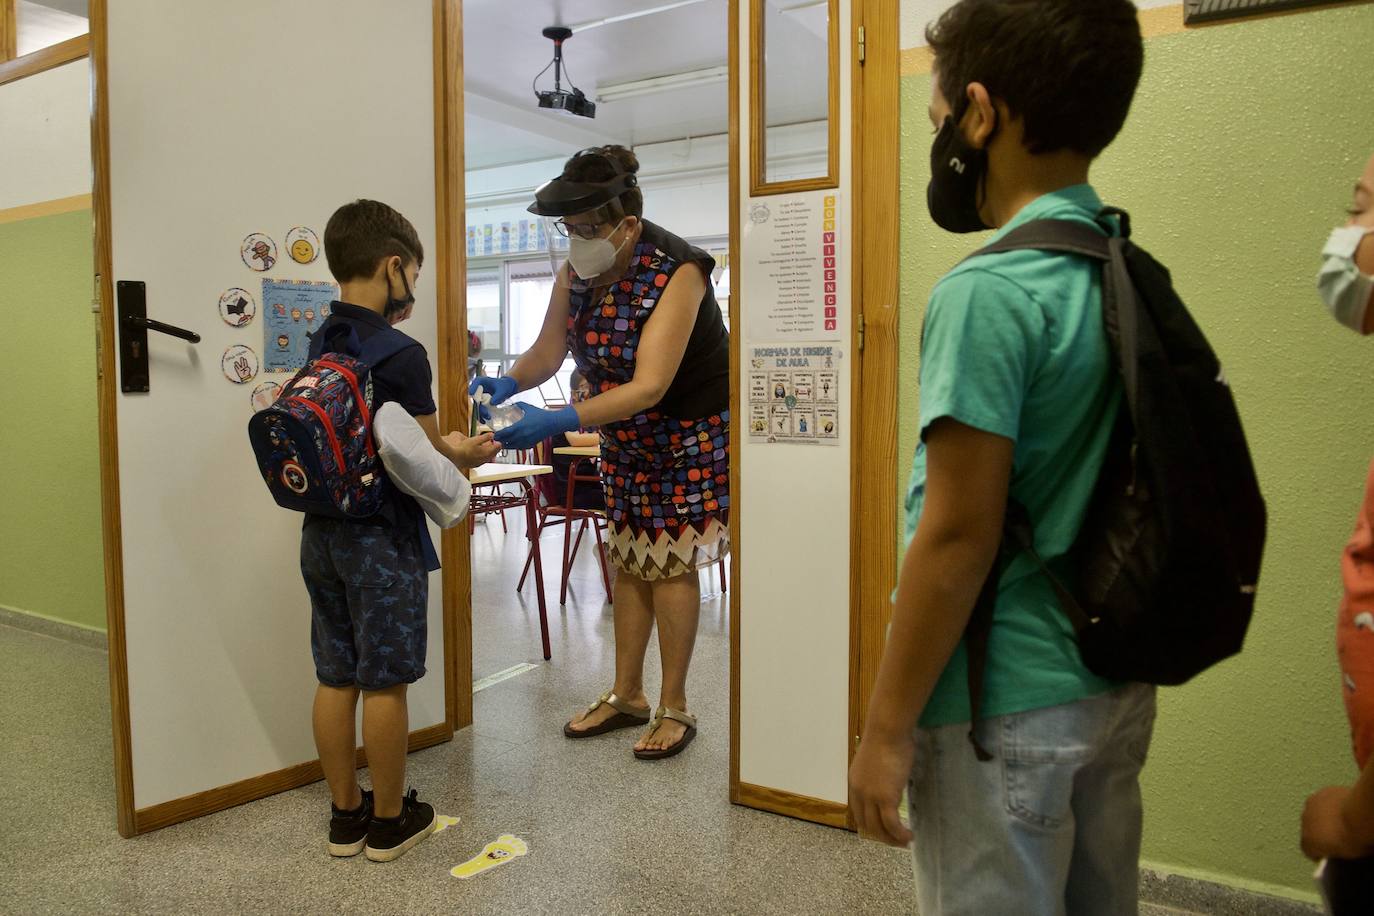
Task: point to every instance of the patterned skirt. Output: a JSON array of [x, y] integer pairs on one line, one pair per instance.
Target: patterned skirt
[[667, 493]]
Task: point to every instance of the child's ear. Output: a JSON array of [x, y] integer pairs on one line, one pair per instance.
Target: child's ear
[[981, 119]]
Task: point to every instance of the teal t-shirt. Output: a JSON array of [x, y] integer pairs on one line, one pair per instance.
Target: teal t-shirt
[[1014, 346]]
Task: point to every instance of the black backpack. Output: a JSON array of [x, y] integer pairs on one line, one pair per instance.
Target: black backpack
[[1168, 556]]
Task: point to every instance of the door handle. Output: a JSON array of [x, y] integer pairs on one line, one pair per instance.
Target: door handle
[[148, 324], [134, 324]]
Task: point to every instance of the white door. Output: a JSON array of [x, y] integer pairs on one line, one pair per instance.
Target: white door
[[226, 120]]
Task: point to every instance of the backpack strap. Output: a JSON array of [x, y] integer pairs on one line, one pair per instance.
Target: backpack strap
[[1018, 534]]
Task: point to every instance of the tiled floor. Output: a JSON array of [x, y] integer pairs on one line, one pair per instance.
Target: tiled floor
[[607, 834]]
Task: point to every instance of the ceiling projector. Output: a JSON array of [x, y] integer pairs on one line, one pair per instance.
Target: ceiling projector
[[572, 100]]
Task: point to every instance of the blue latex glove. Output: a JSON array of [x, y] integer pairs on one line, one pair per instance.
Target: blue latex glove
[[537, 425], [501, 390]]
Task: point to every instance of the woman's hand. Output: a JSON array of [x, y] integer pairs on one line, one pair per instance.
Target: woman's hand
[[537, 425], [500, 389]]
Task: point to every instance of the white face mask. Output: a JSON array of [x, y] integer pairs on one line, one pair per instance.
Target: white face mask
[[1344, 289], [590, 258]]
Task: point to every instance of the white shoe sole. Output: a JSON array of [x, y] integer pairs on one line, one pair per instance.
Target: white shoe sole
[[395, 852], [344, 851]]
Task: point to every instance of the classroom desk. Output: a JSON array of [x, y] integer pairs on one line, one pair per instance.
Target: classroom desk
[[579, 451], [496, 501]]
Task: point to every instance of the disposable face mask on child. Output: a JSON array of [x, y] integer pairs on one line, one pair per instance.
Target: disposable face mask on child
[[1342, 285], [593, 257]]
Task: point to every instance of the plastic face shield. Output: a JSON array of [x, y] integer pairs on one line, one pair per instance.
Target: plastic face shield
[[582, 225]]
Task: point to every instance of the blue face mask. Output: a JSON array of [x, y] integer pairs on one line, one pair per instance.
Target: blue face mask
[[1344, 288]]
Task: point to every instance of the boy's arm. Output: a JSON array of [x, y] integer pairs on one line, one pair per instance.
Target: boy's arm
[[1338, 821], [968, 474], [463, 451]]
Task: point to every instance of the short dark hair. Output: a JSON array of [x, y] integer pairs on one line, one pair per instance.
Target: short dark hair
[[362, 234], [1067, 68], [599, 164]]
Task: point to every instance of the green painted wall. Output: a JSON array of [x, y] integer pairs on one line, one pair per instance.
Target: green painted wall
[[1238, 159], [51, 563]]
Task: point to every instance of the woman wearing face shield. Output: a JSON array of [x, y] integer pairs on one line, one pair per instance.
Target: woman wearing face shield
[[634, 306]]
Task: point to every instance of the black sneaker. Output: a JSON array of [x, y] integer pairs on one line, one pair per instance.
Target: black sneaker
[[348, 829], [389, 837]]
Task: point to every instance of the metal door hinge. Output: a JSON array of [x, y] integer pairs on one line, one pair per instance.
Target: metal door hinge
[[862, 323], [863, 44]]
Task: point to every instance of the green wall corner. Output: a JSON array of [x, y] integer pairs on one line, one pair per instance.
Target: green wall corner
[[52, 562], [1236, 162]]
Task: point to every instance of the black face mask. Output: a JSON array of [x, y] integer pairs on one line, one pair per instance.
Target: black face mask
[[397, 306], [957, 172]]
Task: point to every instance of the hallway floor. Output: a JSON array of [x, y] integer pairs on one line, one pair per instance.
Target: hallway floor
[[607, 834]]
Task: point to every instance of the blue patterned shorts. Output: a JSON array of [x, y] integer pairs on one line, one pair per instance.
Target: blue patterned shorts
[[369, 600]]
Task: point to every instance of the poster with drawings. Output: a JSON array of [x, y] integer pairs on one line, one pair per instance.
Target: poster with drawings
[[794, 394], [292, 310]]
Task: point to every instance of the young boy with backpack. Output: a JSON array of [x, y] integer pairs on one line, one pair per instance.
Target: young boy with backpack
[[368, 578], [1023, 778]]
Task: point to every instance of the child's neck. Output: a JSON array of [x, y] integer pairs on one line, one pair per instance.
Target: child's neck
[[1020, 178], [369, 294]]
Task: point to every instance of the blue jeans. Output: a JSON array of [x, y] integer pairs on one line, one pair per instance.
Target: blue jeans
[[1050, 826]]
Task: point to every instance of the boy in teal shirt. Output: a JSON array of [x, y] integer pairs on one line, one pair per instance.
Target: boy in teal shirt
[[1018, 399]]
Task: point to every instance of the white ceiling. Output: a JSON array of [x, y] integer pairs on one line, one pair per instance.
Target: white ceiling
[[503, 53], [46, 23]]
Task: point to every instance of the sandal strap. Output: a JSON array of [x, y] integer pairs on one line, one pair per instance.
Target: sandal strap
[[616, 703], [677, 715]]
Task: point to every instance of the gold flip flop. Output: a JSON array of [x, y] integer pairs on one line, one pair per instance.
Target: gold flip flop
[[676, 715], [626, 716]]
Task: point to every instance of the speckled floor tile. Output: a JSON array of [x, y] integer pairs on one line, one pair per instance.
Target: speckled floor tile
[[608, 834]]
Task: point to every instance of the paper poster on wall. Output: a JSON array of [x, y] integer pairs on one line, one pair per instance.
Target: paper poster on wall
[[794, 393], [292, 311], [792, 246]]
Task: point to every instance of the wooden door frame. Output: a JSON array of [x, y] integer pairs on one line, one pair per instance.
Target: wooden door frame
[[873, 525], [874, 187], [451, 315]]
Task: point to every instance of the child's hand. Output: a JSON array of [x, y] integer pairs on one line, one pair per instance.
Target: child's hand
[[471, 451], [1325, 831]]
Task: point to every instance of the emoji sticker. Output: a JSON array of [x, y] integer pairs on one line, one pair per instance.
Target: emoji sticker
[[265, 394], [237, 307], [303, 245], [239, 364], [259, 252], [504, 849]]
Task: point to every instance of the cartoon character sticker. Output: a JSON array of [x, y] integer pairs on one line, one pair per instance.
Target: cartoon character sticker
[[237, 307], [303, 245], [296, 314], [259, 252], [265, 394], [239, 364]]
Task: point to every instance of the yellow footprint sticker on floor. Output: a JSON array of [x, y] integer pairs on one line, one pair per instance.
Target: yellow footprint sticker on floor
[[503, 849], [446, 821]]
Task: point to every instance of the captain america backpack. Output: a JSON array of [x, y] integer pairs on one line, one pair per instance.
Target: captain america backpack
[[314, 443]]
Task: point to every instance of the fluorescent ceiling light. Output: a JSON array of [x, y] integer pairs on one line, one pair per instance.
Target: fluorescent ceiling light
[[689, 79], [625, 17]]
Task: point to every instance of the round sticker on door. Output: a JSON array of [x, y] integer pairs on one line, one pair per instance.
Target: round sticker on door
[[293, 477], [265, 394], [237, 307], [259, 252], [303, 244], [239, 364]]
